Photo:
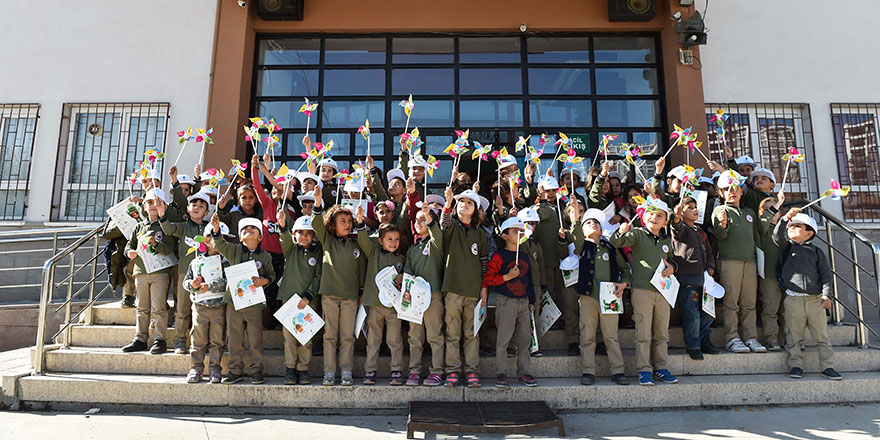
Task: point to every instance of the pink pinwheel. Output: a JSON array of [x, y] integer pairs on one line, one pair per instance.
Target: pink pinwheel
[[563, 140], [308, 108], [481, 152], [793, 155], [535, 155], [408, 105], [521, 143], [836, 191], [431, 165], [204, 135], [364, 130], [543, 139]]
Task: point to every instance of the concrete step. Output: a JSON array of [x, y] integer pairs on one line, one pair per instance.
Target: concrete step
[[116, 335], [161, 393], [553, 364]]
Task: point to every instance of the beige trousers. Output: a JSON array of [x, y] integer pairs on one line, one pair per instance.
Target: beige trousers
[[512, 319], [570, 310], [183, 315], [432, 328], [207, 336], [152, 302], [378, 319], [740, 282], [241, 324], [591, 319], [459, 320], [801, 313], [651, 315], [771, 303], [296, 355], [339, 317]]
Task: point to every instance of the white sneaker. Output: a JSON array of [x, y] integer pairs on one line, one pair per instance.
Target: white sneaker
[[736, 345], [756, 346]]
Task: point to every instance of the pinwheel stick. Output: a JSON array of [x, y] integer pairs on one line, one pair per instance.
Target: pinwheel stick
[[182, 147], [785, 175], [518, 236], [669, 151], [512, 201], [308, 124], [454, 167], [701, 154], [284, 196], [479, 162], [813, 202], [425, 199], [230, 185], [368, 145], [559, 210]]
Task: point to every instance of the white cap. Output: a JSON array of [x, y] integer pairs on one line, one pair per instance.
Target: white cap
[[184, 178], [352, 186], [762, 172], [574, 171], [529, 215], [805, 220], [156, 193], [570, 262], [417, 161], [329, 162], [678, 172], [395, 173], [507, 161], [594, 214], [727, 179], [224, 230], [307, 197], [656, 203], [478, 200], [434, 198], [513, 222], [199, 196], [303, 223], [211, 191], [249, 221], [303, 175], [746, 160], [547, 183], [151, 174]]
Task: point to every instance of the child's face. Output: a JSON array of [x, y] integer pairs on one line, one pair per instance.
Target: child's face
[[197, 210], [690, 213], [616, 188], [465, 207], [343, 225], [275, 194], [655, 220], [251, 236], [396, 188], [308, 208], [417, 173], [592, 229], [186, 189], [549, 195], [304, 238], [309, 185], [209, 244], [422, 223], [732, 194], [799, 233], [390, 241], [152, 206], [384, 214], [327, 173], [511, 236], [565, 180], [745, 170], [674, 185], [763, 183], [247, 200], [579, 208], [629, 198], [436, 206]]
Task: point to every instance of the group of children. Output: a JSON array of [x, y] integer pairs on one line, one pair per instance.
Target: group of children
[[312, 237]]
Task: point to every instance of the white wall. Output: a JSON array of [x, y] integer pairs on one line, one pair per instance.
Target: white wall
[[62, 51], [798, 51]]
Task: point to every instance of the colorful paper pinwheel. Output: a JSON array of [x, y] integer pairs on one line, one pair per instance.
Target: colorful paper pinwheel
[[364, 130], [793, 155], [462, 140], [411, 140], [408, 106], [431, 165], [481, 151], [204, 135], [544, 139], [534, 155], [521, 143], [570, 158], [238, 169], [562, 194], [184, 136], [836, 191], [217, 178], [606, 138], [151, 156], [308, 108], [196, 244], [563, 140], [720, 118]]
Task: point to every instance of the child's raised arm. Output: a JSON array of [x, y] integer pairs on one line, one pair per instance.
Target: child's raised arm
[[625, 236]]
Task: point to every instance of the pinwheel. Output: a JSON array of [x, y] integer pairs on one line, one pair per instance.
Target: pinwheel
[[411, 140], [563, 140], [430, 166], [603, 147], [836, 192], [633, 154], [238, 169], [651, 204], [364, 130], [793, 155], [183, 137], [500, 157], [544, 139], [691, 175], [481, 154], [679, 135], [720, 118], [152, 155], [204, 137], [534, 155], [196, 244], [732, 178], [272, 141], [217, 178], [561, 194], [457, 149], [521, 143], [308, 108], [408, 107]]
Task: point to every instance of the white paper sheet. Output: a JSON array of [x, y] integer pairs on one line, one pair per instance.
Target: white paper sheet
[[414, 299], [301, 323], [479, 316], [240, 284], [667, 286], [533, 346], [549, 314], [388, 292], [211, 270], [359, 321], [122, 216], [609, 303], [760, 260], [709, 304], [701, 197]]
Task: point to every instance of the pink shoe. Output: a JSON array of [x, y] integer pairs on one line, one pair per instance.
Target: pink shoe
[[433, 380], [413, 380]]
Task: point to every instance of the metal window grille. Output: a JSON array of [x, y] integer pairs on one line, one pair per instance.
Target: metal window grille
[[764, 132], [98, 148], [858, 160], [18, 127]]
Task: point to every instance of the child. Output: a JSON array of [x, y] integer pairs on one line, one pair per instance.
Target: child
[[573, 212], [341, 281], [515, 301], [693, 256], [196, 209], [249, 319], [735, 229], [673, 182], [760, 186], [467, 253], [533, 248], [307, 203], [151, 288], [247, 206], [209, 313], [546, 233], [379, 316], [302, 276], [806, 278], [650, 248], [768, 287], [425, 259], [599, 262]]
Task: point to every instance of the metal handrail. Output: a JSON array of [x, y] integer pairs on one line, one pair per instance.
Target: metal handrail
[[26, 232]]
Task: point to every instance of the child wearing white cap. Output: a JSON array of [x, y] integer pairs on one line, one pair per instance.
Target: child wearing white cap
[[533, 248], [759, 186], [673, 182]]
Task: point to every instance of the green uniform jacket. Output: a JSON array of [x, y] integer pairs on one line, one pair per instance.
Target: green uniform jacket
[[118, 261], [302, 267], [648, 250], [163, 245], [737, 241], [344, 265], [547, 232], [425, 258], [752, 198], [602, 262], [377, 259], [766, 243], [596, 199], [536, 258], [400, 215], [237, 253], [467, 254], [181, 230]]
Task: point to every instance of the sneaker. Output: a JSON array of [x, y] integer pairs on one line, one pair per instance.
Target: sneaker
[[329, 379], [158, 347], [536, 354], [587, 379], [574, 349], [511, 352], [127, 302], [180, 347], [665, 376], [696, 355], [829, 373], [756, 346], [134, 345], [433, 380], [528, 380], [736, 345], [473, 380], [645, 378], [257, 378], [452, 379], [232, 378], [707, 348], [772, 345], [304, 378], [396, 378], [370, 378], [619, 379], [796, 373], [501, 381], [215, 376], [346, 381], [413, 380], [290, 376], [194, 376]]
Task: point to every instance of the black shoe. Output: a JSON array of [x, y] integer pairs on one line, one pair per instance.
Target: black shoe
[[829, 373], [574, 349], [304, 378], [601, 349], [511, 352], [619, 379], [158, 347], [588, 379], [536, 354], [796, 373], [696, 355], [232, 378], [707, 347], [134, 345], [257, 378], [128, 302], [290, 377]]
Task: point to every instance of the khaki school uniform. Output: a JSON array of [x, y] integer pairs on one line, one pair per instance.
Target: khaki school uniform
[[425, 259], [183, 305], [209, 321], [302, 276], [151, 289], [379, 317]]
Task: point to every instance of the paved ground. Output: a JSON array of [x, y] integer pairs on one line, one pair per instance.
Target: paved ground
[[811, 422]]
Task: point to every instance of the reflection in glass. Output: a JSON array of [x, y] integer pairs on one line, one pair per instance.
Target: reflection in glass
[[290, 51], [559, 81], [559, 50], [630, 113], [489, 50], [422, 50], [494, 113], [624, 50], [354, 51], [354, 82], [377, 144], [491, 81], [423, 81], [351, 114], [287, 83], [285, 113], [426, 114], [626, 82], [558, 113]]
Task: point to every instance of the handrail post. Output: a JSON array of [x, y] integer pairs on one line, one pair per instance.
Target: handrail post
[[862, 337], [45, 295], [89, 315], [835, 310], [876, 252], [72, 265]]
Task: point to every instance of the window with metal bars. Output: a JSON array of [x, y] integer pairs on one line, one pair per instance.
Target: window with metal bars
[[764, 132], [18, 127], [858, 161], [97, 151]]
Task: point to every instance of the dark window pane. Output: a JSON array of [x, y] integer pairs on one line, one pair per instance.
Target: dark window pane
[[559, 50], [491, 113], [559, 81], [644, 139], [425, 114], [624, 50], [377, 144], [628, 113], [422, 50], [287, 83], [436, 144], [626, 82], [489, 50], [354, 82], [855, 136], [354, 51], [286, 113], [777, 134], [422, 81], [351, 114], [341, 142], [491, 81], [556, 113], [290, 51]]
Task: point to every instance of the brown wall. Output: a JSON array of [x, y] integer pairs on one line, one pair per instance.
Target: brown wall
[[229, 98]]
